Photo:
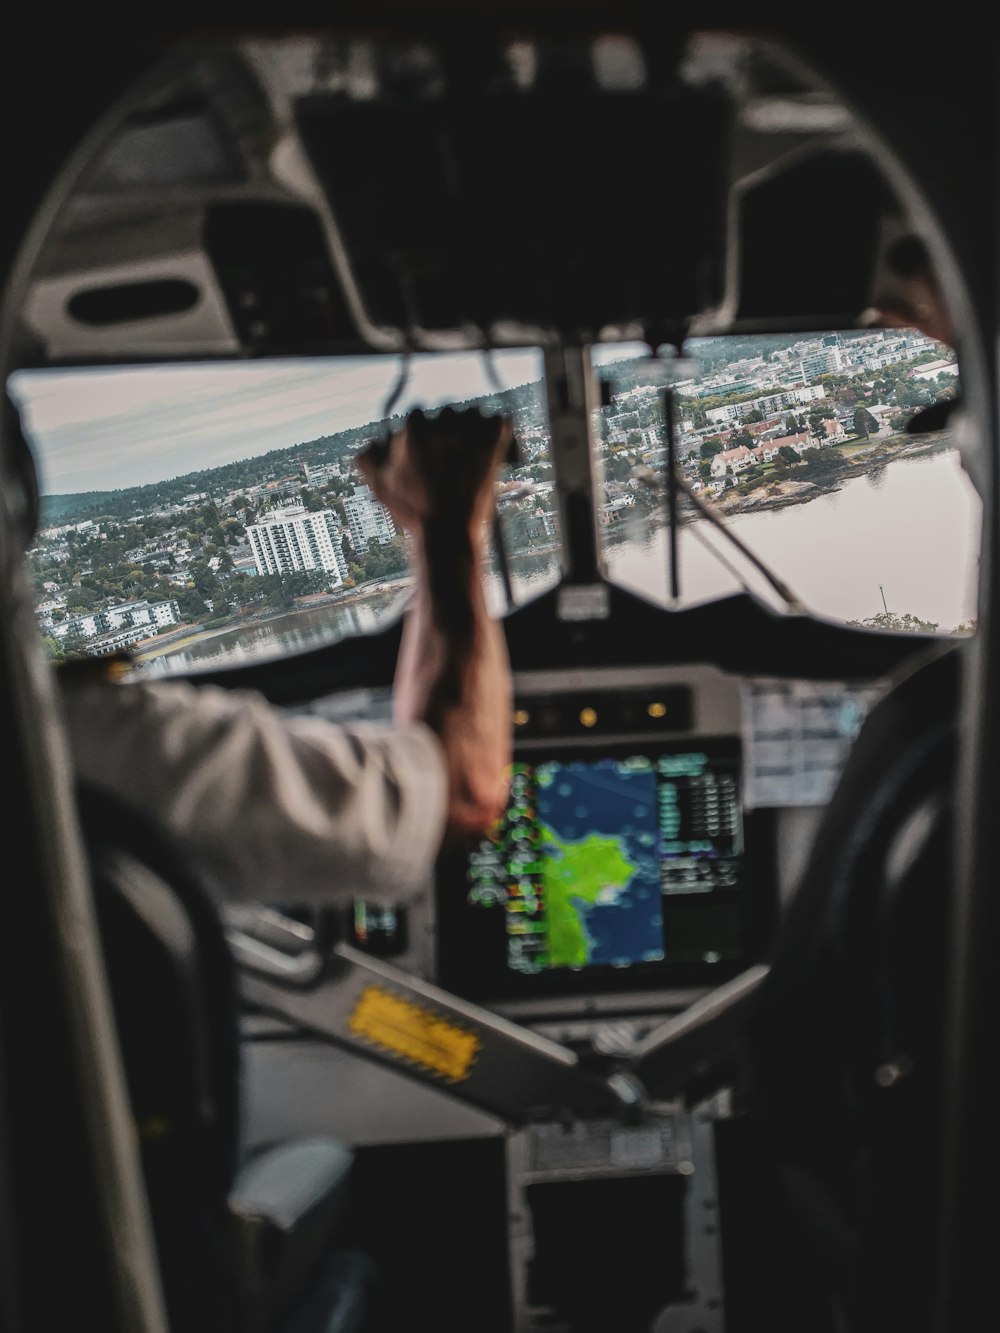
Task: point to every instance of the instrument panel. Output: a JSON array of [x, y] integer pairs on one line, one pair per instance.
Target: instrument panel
[[645, 851]]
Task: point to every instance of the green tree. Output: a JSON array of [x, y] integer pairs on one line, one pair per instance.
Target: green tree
[[891, 620], [864, 423], [912, 394], [79, 599], [73, 644], [713, 445], [204, 579], [190, 604], [55, 650], [382, 561], [817, 428]]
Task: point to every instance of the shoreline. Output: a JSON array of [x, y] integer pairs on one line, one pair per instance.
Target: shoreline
[[792, 492], [184, 635]]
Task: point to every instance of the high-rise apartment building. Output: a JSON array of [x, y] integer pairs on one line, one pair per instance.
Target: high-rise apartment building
[[298, 539], [368, 519]]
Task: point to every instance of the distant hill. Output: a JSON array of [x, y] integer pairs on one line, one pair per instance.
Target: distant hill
[[74, 508], [57, 510]]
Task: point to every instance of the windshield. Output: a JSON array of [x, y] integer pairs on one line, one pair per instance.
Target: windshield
[[799, 447], [199, 515]]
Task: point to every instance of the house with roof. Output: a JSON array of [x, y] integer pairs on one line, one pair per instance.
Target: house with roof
[[732, 460], [931, 369]]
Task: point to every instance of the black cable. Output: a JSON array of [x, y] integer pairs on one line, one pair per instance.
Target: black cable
[[397, 389], [669, 421]]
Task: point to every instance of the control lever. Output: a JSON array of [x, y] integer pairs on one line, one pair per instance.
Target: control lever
[[271, 944], [386, 1014], [682, 1049]]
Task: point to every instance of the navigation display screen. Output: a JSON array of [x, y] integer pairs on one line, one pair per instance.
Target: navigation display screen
[[628, 861]]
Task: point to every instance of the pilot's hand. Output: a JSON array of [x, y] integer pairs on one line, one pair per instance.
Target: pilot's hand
[[439, 470]]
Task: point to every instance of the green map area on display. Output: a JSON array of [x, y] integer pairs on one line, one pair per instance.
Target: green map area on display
[[579, 874]]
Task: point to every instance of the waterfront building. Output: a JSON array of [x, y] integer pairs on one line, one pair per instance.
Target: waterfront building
[[297, 539], [367, 519], [129, 621]]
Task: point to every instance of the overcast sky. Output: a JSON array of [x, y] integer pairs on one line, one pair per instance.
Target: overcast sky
[[100, 429]]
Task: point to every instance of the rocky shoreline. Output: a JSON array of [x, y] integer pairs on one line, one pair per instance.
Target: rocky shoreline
[[790, 491]]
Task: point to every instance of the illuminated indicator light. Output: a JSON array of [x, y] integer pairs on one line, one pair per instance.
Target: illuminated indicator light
[[657, 710], [588, 717], [413, 1033], [521, 716], [360, 922]]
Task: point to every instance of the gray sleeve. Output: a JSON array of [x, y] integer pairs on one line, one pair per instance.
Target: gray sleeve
[[277, 806]]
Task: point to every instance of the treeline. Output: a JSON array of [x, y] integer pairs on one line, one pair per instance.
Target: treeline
[[57, 510]]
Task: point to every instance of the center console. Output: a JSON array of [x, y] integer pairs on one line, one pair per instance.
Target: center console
[[626, 872]]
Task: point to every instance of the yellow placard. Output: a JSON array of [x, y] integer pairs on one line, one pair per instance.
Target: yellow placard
[[414, 1033]]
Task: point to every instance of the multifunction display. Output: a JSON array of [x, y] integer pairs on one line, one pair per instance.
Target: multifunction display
[[625, 860]]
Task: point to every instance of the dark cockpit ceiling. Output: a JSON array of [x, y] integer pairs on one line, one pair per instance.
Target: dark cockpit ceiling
[[301, 193], [454, 185]]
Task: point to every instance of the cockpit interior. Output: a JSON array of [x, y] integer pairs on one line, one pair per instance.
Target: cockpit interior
[[740, 505]]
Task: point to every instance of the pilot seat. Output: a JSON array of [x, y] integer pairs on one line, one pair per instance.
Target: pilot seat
[[246, 1243]]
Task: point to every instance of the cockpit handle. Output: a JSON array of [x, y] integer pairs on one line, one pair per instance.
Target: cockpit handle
[[390, 1016], [271, 944], [685, 1048]]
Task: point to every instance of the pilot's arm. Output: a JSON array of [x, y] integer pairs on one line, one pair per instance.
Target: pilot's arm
[[279, 806], [274, 806], [438, 479]]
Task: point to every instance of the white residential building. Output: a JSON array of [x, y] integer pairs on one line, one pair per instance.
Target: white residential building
[[930, 369], [732, 460], [150, 614], [368, 519], [767, 404], [124, 624], [297, 539], [825, 361]]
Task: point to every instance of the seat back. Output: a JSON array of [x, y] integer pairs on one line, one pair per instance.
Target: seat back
[[173, 990], [847, 1056]]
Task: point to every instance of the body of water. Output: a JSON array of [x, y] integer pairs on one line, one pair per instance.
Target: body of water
[[909, 531], [296, 632]]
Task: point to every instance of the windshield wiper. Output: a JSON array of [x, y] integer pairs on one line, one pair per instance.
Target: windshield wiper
[[677, 483]]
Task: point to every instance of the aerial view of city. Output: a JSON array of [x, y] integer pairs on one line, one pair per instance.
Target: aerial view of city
[[761, 423]]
